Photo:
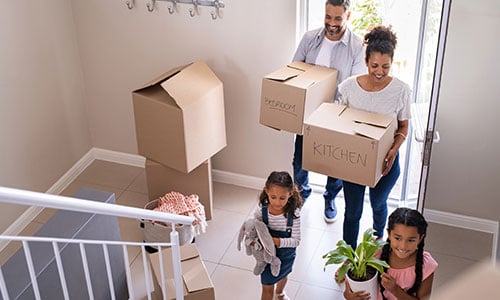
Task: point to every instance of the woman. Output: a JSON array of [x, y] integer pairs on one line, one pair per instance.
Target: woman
[[380, 93]]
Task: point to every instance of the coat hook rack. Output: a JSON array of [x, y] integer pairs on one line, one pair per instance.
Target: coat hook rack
[[130, 4], [193, 11]]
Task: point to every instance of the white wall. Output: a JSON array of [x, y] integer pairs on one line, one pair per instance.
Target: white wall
[[43, 120], [465, 168], [121, 49]]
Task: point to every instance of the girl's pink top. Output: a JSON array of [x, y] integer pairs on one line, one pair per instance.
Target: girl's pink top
[[406, 277]]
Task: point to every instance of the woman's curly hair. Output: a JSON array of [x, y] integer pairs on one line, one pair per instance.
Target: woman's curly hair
[[380, 39]]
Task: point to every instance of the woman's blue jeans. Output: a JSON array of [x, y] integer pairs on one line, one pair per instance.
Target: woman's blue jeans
[[354, 197]]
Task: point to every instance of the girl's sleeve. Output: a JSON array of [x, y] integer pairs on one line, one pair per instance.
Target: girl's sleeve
[[430, 265], [294, 240]]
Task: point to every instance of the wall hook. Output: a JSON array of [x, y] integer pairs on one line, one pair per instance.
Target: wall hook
[[216, 13], [194, 11], [173, 9], [152, 6], [130, 4]]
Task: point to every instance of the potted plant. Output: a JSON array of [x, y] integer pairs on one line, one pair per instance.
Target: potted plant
[[359, 265]]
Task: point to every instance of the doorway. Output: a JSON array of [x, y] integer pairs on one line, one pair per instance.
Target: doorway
[[416, 23]]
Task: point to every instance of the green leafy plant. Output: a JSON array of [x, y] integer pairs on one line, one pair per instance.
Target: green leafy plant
[[357, 262], [368, 16]]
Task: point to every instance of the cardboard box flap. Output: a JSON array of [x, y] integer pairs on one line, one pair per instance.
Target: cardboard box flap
[[369, 131], [284, 74], [300, 65], [372, 119], [301, 82], [324, 114], [318, 73], [191, 83], [189, 251], [162, 77], [196, 279]]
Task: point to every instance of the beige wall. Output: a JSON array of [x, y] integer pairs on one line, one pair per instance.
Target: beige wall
[[121, 49], [66, 74], [465, 168], [68, 68], [43, 120]]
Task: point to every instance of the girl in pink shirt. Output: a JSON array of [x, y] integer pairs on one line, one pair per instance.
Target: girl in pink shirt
[[411, 269]]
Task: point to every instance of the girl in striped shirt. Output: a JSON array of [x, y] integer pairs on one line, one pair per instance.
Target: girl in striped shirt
[[279, 208]]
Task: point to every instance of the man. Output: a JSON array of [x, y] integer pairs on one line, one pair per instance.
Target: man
[[334, 46]]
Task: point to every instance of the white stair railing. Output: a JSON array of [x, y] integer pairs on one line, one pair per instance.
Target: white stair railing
[[23, 197]]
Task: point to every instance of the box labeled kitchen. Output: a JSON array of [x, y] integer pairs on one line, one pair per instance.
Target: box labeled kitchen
[[346, 143]]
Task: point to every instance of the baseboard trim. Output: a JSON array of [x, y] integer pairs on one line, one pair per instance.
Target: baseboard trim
[[237, 179], [119, 157], [466, 222], [30, 214]]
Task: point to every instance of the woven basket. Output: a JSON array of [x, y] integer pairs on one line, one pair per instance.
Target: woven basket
[[160, 232]]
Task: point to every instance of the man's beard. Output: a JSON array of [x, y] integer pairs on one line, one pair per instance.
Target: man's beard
[[333, 30]]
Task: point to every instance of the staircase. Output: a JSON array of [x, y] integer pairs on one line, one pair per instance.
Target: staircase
[[79, 265]]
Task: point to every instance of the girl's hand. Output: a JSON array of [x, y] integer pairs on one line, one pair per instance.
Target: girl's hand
[[350, 295], [276, 241], [389, 283]]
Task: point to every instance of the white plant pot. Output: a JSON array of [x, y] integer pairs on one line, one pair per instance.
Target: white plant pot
[[371, 286]]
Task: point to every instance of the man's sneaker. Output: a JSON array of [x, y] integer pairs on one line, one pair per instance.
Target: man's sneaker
[[330, 211]]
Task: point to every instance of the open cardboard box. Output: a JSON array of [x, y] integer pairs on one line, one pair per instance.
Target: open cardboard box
[[162, 179], [179, 117], [197, 282], [289, 95], [346, 143]]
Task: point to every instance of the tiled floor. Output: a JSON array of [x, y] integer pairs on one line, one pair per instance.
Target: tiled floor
[[231, 270]]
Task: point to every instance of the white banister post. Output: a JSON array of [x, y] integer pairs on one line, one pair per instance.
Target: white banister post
[[176, 260]]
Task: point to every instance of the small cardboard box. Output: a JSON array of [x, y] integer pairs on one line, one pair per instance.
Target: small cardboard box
[[162, 179], [290, 94], [179, 117], [197, 282], [346, 143]]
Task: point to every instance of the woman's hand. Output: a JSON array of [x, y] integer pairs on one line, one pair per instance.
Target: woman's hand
[[350, 295], [276, 241], [389, 161]]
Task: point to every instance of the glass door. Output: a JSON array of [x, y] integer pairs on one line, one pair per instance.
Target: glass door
[[416, 23]]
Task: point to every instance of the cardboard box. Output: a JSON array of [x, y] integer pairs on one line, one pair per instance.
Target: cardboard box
[[292, 93], [345, 143], [162, 179], [179, 117], [197, 282]]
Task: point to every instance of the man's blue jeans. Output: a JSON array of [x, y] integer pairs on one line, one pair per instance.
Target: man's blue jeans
[[301, 176], [354, 197]]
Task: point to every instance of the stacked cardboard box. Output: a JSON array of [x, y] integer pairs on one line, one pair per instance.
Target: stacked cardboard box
[[180, 124], [197, 284]]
